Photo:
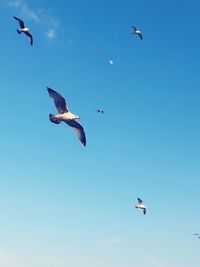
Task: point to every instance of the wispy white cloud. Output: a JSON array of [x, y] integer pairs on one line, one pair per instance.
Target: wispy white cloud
[[12, 3], [110, 242], [7, 258], [41, 16], [51, 34], [114, 241]]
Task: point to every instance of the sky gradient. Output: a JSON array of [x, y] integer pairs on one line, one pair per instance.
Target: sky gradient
[[63, 204]]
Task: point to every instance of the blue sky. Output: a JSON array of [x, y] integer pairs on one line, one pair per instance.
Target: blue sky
[[63, 204]]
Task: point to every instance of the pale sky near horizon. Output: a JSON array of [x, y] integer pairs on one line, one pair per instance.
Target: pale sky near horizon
[[63, 204]]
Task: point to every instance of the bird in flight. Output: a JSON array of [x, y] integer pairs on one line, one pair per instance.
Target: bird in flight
[[99, 111], [198, 235], [140, 205], [24, 29], [65, 115], [137, 31]]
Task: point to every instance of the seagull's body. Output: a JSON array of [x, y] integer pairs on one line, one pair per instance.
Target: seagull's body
[[140, 205], [65, 115], [99, 111], [24, 29], [137, 31]]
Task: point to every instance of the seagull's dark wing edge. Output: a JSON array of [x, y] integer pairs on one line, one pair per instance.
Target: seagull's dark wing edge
[[59, 101], [134, 28], [139, 200], [21, 23], [141, 37], [30, 37], [78, 128]]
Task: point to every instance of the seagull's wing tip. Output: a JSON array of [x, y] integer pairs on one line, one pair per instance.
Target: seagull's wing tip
[[139, 200]]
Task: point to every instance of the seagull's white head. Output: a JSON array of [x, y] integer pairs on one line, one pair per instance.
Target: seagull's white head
[[76, 117]]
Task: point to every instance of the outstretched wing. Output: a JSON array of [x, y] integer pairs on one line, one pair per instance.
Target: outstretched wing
[[134, 28], [78, 128], [30, 37], [139, 200], [140, 35], [58, 100], [21, 23]]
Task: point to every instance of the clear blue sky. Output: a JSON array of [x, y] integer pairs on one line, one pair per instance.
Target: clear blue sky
[[63, 204]]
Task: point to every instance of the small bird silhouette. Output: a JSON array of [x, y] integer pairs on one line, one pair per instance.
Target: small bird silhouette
[[140, 205], [137, 31], [100, 111], [198, 235]]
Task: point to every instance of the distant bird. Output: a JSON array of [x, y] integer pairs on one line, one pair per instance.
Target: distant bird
[[198, 235], [100, 111], [65, 115], [24, 29], [110, 61], [140, 205], [137, 31]]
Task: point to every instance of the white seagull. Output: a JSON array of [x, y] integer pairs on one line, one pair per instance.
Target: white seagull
[[137, 31], [140, 205], [65, 115], [24, 29]]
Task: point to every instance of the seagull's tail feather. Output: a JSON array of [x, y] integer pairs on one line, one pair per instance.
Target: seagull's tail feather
[[53, 119], [19, 31]]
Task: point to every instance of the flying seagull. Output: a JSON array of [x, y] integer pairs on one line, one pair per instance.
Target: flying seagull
[[24, 29], [137, 31], [100, 111], [65, 115], [140, 205]]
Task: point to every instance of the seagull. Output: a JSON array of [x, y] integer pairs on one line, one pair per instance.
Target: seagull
[[110, 61], [24, 29], [100, 111], [140, 205], [137, 31], [65, 115]]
